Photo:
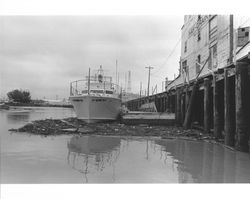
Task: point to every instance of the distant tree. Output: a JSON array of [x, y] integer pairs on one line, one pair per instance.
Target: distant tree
[[19, 96]]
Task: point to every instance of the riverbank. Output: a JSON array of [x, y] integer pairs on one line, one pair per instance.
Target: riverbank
[[37, 105]]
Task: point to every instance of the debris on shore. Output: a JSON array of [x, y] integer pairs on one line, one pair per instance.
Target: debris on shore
[[74, 126]]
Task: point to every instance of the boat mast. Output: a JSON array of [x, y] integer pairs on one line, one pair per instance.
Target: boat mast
[[89, 82]]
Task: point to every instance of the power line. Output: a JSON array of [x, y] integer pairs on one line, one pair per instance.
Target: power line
[[245, 22], [170, 54]]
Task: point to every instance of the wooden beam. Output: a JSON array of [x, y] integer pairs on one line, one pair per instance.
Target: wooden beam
[[216, 107], [241, 100], [186, 99], [229, 102], [178, 107], [182, 107], [191, 107], [207, 106]]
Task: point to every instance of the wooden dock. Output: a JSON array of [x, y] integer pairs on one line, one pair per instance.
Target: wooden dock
[[149, 118]]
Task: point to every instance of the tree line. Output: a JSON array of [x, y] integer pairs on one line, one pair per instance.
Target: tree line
[[20, 96]]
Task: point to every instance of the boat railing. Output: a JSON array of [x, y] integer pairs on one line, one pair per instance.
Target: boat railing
[[80, 87]]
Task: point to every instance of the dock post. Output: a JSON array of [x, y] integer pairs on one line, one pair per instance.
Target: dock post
[[207, 106], [167, 103], [178, 107], [171, 105], [182, 107], [241, 100], [163, 102], [160, 103], [229, 101], [216, 108], [191, 105], [186, 100]]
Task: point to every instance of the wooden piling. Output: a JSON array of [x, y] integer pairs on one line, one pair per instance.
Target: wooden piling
[[178, 107], [229, 125], [241, 100], [186, 99], [207, 106], [160, 103], [216, 107], [191, 105], [171, 104], [182, 107], [164, 102]]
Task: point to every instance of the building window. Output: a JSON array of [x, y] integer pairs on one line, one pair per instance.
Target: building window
[[184, 65], [185, 47], [213, 57], [185, 69], [198, 66]]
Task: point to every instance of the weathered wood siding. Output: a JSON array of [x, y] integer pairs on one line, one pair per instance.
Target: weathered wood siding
[[200, 24]]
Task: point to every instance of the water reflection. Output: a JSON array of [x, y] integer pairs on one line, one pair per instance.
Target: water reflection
[[207, 163], [17, 116], [84, 152]]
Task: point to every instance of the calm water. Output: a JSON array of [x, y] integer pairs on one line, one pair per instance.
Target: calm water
[[97, 159]]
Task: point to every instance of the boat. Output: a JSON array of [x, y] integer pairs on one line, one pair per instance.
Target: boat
[[4, 106], [95, 98]]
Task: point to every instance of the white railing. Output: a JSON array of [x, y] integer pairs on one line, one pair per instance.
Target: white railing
[[79, 87]]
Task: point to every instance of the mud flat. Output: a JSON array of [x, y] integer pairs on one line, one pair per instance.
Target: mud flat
[[74, 126]]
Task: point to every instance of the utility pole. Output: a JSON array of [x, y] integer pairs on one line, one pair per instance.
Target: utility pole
[[149, 68], [140, 89], [140, 92], [116, 80]]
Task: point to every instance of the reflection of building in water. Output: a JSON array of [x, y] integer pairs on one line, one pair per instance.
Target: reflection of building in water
[[93, 152], [207, 163]]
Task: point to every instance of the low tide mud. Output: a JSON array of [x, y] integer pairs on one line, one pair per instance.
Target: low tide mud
[[74, 126]]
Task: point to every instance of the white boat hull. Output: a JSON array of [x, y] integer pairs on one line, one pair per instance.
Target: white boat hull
[[94, 108]]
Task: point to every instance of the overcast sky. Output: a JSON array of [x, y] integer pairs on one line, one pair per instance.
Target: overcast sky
[[44, 53]]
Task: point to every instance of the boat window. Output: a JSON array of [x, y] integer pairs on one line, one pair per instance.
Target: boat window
[[109, 92], [96, 91]]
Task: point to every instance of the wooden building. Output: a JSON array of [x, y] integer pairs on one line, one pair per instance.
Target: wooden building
[[212, 89]]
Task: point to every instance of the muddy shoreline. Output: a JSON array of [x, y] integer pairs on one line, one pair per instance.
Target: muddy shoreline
[[66, 126]]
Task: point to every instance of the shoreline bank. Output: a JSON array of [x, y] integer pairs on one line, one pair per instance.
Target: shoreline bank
[[73, 126], [37, 105]]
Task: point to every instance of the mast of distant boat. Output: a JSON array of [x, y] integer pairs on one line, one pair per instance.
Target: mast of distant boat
[[89, 82]]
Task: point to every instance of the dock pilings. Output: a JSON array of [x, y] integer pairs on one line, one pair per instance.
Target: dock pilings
[[218, 103]]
